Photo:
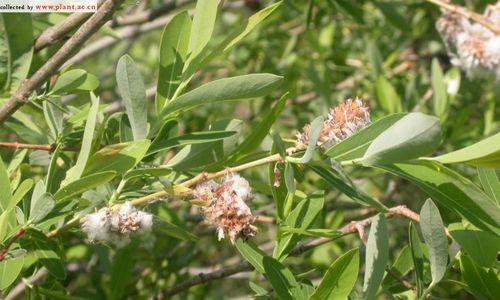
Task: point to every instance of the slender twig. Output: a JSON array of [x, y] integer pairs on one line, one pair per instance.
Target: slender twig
[[6, 248], [50, 148], [28, 86], [350, 228], [60, 30], [148, 15], [465, 13]]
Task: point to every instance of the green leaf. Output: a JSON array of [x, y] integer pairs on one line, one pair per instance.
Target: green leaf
[[121, 270], [452, 81], [76, 171], [203, 26], [21, 191], [6, 193], [314, 133], [19, 38], [200, 137], [83, 184], [485, 153], [301, 217], [233, 88], [435, 238], [418, 258], [74, 81], [173, 53], [377, 256], [53, 116], [119, 157], [49, 259], [328, 233], [131, 88], [453, 191], [170, 229], [9, 270], [41, 207], [387, 96], [281, 279], [261, 130], [147, 172], [340, 278], [253, 21], [355, 146], [490, 183], [412, 136], [441, 104], [481, 246], [486, 283], [349, 191], [200, 155]]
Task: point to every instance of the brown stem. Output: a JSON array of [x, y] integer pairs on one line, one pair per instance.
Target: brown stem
[[60, 30], [350, 228], [5, 250], [465, 13], [28, 86], [50, 148]]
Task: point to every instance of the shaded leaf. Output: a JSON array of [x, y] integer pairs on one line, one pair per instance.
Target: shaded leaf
[[435, 238], [173, 53], [387, 96], [118, 158], [377, 256], [340, 278], [490, 183], [83, 184], [131, 88]]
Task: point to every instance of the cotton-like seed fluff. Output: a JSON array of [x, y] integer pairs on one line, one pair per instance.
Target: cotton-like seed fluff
[[343, 121], [472, 47], [226, 208], [115, 226]]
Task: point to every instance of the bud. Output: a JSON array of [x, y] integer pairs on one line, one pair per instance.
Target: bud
[[227, 210], [343, 121]]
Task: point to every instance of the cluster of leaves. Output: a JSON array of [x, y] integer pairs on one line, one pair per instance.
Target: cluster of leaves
[[102, 157]]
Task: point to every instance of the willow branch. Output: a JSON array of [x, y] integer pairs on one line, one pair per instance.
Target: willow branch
[[28, 86], [148, 15], [350, 228], [60, 30], [465, 13], [50, 148]]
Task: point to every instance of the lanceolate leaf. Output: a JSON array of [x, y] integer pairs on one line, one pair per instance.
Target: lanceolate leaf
[[387, 96], [173, 53], [83, 184], [233, 88], [131, 87], [377, 256], [253, 21], [435, 238], [301, 217], [486, 283], [203, 26], [412, 136], [452, 191], [6, 193], [490, 183], [279, 276], [485, 153], [314, 133], [119, 158], [355, 146], [439, 88], [77, 170], [418, 258], [481, 246], [340, 278], [9, 270], [19, 38], [189, 139]]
